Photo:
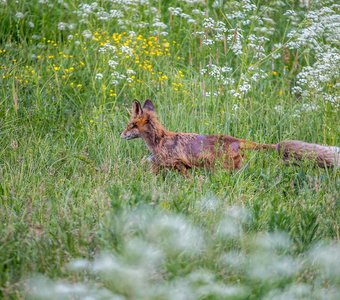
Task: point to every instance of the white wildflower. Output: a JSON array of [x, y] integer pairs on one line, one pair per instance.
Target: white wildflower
[[87, 34], [127, 50], [19, 15], [237, 47], [273, 241], [175, 11], [175, 235], [229, 229], [203, 71], [327, 258], [270, 267], [198, 12], [235, 93], [113, 64], [244, 87], [62, 26], [110, 47], [209, 203], [207, 42], [99, 76], [278, 109], [226, 69], [159, 24], [208, 23], [234, 260], [235, 107], [71, 26]]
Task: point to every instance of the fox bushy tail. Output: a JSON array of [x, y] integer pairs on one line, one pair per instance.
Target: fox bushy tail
[[324, 156], [293, 150]]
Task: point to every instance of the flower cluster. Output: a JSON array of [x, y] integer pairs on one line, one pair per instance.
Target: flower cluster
[[319, 36], [140, 53], [151, 243], [321, 78]]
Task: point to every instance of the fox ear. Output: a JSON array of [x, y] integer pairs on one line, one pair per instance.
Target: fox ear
[[148, 105], [136, 109]]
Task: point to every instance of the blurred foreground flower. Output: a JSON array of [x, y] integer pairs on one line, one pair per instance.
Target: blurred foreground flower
[[165, 256]]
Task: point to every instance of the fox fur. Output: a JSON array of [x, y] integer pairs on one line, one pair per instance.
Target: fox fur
[[182, 151]]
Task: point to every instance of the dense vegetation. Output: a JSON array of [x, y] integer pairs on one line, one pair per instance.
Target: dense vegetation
[[82, 214]]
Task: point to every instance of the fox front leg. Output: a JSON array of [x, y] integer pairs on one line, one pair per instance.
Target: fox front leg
[[152, 161], [155, 166], [182, 169], [149, 159]]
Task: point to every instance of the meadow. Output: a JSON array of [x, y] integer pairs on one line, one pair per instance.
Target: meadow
[[81, 214]]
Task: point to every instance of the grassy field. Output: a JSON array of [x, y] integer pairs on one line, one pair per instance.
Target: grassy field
[[81, 213]]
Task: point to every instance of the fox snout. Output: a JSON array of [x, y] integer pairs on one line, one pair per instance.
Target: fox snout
[[125, 135], [129, 134]]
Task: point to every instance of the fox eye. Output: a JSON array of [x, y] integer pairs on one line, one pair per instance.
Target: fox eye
[[133, 125]]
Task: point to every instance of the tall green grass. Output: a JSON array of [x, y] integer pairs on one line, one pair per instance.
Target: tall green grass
[[69, 186]]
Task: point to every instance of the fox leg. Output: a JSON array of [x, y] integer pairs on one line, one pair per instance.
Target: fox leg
[[233, 157], [148, 159], [233, 163], [152, 161], [183, 169], [155, 167]]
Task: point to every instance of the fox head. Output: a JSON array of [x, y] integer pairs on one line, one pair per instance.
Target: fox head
[[140, 119]]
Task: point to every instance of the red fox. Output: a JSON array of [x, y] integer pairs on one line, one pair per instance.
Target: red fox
[[182, 151]]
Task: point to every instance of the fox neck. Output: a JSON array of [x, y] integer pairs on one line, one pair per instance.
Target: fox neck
[[154, 135]]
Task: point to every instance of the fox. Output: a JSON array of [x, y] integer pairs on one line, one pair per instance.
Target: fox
[[182, 151]]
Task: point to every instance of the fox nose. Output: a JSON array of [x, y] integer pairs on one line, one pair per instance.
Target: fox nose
[[123, 136]]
